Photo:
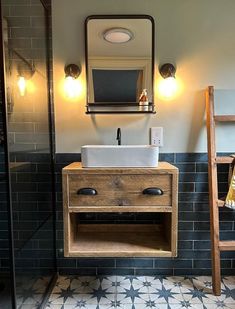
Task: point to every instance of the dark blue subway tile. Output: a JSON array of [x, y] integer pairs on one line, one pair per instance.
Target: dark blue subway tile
[[66, 263], [185, 244], [68, 157], [115, 271], [194, 254], [184, 206], [168, 157], [193, 197], [185, 226], [98, 262], [202, 245], [191, 157], [186, 167], [77, 271], [134, 262], [173, 263], [192, 272], [200, 264], [199, 207], [196, 235], [201, 167], [194, 216], [186, 187], [153, 272]]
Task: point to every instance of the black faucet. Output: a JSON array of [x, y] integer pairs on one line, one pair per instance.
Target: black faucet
[[119, 136]]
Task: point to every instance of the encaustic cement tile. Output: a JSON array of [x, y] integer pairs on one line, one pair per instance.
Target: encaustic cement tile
[[132, 292]]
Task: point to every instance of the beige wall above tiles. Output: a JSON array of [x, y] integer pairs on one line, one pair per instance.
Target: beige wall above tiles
[[196, 35]]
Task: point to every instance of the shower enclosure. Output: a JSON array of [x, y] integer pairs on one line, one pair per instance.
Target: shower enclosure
[[27, 198]]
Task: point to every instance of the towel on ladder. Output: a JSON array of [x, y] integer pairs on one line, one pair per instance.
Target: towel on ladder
[[230, 199]]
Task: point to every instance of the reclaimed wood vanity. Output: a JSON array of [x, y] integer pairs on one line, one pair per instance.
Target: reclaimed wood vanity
[[120, 190]]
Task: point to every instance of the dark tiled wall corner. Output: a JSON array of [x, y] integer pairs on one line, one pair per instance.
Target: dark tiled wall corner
[[28, 128], [194, 235], [4, 262]]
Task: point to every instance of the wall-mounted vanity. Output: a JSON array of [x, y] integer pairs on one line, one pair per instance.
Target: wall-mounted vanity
[[120, 190], [119, 63], [120, 179]]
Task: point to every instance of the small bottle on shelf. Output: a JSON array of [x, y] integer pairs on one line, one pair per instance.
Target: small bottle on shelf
[[143, 101]]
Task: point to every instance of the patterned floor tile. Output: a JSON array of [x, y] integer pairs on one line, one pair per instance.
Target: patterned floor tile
[[204, 283], [85, 285], [109, 284], [28, 306], [140, 284], [123, 283], [132, 296], [143, 292]]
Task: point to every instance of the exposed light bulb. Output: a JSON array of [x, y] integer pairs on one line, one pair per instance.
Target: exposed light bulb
[[168, 87], [72, 87], [22, 85]]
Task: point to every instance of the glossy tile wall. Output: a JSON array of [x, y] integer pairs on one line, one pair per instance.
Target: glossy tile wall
[[4, 256], [26, 50]]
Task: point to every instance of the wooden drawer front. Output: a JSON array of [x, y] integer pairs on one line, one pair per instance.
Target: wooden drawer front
[[119, 190]]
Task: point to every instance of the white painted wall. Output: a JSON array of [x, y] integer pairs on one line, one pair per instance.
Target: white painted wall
[[196, 35]]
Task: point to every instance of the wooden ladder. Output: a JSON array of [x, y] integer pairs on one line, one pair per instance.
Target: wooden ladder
[[216, 244]]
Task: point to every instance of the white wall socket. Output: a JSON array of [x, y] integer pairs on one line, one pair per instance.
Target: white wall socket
[[157, 136]]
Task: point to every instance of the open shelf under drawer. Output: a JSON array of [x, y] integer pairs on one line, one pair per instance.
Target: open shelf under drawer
[[119, 240]]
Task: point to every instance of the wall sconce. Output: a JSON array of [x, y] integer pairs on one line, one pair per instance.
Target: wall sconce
[[72, 72], [167, 70], [168, 86], [21, 85], [26, 72]]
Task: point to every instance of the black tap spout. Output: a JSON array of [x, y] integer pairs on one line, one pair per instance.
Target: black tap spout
[[119, 136]]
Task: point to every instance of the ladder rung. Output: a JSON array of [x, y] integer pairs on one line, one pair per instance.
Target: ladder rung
[[220, 203], [228, 245], [224, 160], [224, 118]]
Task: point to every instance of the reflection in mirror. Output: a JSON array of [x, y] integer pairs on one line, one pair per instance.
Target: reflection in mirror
[[119, 60], [120, 85]]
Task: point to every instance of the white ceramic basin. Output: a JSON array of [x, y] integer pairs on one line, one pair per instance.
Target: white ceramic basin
[[120, 156]]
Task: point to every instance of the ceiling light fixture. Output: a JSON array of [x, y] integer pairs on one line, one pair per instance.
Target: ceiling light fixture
[[118, 35]]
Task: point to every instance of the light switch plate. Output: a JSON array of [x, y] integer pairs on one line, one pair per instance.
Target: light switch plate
[[157, 136]]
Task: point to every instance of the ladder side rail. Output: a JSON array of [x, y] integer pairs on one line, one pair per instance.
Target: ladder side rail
[[213, 191]]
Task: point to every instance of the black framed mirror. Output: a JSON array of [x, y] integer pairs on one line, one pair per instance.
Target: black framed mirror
[[120, 63]]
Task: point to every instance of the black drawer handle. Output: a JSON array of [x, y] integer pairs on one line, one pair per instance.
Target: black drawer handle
[[153, 191], [87, 191]]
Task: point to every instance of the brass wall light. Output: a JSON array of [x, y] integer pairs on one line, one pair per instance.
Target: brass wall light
[[167, 70], [72, 72], [26, 71], [168, 86]]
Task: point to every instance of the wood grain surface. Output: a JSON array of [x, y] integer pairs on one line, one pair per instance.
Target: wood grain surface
[[119, 190]]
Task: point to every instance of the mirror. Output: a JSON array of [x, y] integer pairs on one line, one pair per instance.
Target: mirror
[[119, 63]]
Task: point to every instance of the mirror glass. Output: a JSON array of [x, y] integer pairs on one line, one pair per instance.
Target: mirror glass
[[119, 59]]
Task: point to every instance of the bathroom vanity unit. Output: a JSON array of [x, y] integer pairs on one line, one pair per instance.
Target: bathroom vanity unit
[[119, 190]]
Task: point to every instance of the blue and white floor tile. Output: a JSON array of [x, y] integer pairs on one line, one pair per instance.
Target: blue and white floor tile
[[130, 292], [30, 291]]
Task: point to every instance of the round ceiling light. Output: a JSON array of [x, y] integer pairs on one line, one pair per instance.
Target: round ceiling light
[[118, 35]]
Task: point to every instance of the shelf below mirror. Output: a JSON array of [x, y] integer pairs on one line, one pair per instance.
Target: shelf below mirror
[[119, 108]]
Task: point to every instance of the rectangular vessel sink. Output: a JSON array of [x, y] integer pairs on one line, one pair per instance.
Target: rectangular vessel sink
[[119, 156]]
